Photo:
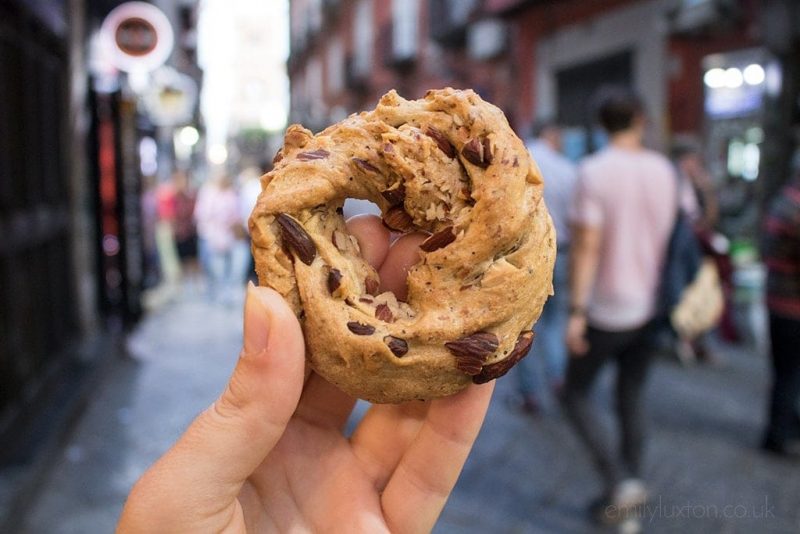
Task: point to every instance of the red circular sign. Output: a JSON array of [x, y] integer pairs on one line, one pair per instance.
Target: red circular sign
[[135, 36]]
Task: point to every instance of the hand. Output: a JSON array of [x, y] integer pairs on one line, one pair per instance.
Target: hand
[[576, 336], [269, 454]]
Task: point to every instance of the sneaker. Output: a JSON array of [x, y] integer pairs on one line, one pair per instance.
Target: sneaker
[[788, 448], [621, 504], [629, 493]]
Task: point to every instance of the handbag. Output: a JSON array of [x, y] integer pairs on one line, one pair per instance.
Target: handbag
[[701, 303], [681, 264], [690, 294]]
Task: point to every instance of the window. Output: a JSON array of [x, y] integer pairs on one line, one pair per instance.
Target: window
[[335, 66], [405, 29], [363, 38], [298, 22], [315, 15], [486, 39], [314, 80]]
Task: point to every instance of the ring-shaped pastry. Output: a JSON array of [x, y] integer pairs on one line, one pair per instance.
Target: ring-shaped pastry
[[450, 165]]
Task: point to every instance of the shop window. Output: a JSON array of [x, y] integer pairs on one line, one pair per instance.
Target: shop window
[[335, 66], [405, 29], [577, 89], [363, 38]]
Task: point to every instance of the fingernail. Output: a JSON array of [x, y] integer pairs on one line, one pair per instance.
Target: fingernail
[[256, 321]]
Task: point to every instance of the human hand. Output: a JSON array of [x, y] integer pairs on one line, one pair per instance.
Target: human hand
[[576, 336], [694, 168], [269, 454]]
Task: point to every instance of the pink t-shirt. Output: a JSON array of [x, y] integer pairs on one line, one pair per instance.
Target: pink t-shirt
[[630, 195], [217, 214]]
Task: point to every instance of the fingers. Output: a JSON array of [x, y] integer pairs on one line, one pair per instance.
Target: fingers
[[384, 434], [576, 345], [577, 348], [421, 483], [576, 337], [392, 262], [402, 255], [323, 404], [228, 441], [372, 236]]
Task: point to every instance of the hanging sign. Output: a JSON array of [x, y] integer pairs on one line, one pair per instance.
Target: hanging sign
[[170, 98], [138, 37]]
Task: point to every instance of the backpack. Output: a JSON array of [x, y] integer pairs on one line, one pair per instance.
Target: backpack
[[690, 297], [681, 264]]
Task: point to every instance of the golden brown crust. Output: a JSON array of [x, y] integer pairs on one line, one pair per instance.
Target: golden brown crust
[[448, 164]]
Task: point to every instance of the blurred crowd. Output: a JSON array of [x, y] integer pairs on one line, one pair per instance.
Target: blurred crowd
[[195, 235], [642, 272]]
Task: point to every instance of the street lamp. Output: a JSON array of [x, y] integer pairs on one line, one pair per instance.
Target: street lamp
[[189, 136]]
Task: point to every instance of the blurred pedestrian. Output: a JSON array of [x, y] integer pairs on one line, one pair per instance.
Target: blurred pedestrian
[[218, 220], [698, 200], [184, 227], [698, 196], [622, 216], [149, 210], [249, 190], [781, 251], [547, 367], [165, 236], [701, 201]]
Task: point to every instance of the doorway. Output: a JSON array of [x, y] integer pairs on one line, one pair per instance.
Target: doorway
[[577, 86]]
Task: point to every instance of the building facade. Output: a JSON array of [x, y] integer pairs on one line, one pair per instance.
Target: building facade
[[70, 223], [534, 59], [545, 59]]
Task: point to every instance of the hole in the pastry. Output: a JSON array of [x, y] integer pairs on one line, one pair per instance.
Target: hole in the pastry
[[357, 206]]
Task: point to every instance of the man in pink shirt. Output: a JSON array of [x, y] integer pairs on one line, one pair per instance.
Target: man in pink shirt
[[622, 216]]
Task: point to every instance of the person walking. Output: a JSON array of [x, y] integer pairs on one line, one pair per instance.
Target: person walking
[[622, 216], [249, 190], [548, 352], [218, 218], [781, 252], [700, 203], [165, 238], [184, 227]]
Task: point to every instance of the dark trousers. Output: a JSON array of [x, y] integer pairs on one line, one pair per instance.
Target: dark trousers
[[784, 422], [630, 352]]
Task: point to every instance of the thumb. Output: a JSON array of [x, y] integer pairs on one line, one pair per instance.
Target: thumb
[[226, 443]]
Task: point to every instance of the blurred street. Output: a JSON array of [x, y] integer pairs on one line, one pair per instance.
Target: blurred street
[[134, 138], [525, 475]]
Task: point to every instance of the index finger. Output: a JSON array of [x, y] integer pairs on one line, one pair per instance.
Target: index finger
[[372, 236], [426, 474], [391, 261], [322, 403]]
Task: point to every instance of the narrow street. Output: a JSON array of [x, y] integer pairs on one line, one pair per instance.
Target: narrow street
[[134, 138], [526, 475], [178, 361]]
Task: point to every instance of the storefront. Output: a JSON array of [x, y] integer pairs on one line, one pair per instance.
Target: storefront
[[623, 46], [734, 87], [67, 219], [42, 311]]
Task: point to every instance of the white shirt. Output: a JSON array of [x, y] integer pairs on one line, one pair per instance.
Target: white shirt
[[248, 197]]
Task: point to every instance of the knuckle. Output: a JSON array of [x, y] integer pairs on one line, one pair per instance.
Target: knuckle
[[234, 400]]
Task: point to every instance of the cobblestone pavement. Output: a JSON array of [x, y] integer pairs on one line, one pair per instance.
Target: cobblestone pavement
[[526, 475]]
